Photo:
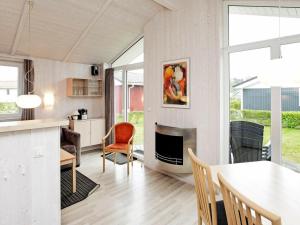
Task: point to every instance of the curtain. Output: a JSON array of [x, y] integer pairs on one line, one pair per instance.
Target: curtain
[[109, 101], [28, 114]]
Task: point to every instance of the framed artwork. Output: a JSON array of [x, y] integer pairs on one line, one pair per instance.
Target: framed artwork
[[175, 83]]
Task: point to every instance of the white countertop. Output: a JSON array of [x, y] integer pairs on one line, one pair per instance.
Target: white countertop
[[31, 124]]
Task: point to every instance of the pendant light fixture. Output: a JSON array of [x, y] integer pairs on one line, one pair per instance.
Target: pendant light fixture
[[29, 100]]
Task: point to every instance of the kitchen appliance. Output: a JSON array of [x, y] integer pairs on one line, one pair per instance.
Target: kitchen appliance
[[74, 115], [82, 114]]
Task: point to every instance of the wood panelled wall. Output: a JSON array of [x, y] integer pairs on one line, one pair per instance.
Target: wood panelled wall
[[193, 32], [50, 76]]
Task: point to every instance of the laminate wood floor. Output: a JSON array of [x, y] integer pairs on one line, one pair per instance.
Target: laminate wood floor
[[145, 197]]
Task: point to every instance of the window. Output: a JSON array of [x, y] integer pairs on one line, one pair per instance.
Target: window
[[134, 54], [252, 23], [9, 89], [129, 92], [261, 57]]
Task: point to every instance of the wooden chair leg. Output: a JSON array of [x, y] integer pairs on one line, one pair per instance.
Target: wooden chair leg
[[200, 221], [103, 156], [128, 161], [74, 175], [132, 159]]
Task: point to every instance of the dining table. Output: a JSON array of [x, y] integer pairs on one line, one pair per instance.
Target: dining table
[[271, 186]]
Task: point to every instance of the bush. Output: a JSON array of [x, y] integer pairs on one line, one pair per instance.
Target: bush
[[258, 116], [8, 107], [289, 119], [136, 117], [235, 104]]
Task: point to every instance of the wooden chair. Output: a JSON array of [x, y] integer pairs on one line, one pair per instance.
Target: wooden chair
[[123, 142], [242, 211], [206, 197]]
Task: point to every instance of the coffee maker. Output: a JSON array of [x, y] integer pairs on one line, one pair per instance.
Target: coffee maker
[[82, 114]]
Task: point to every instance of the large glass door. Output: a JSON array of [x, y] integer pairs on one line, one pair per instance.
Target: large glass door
[[119, 96], [288, 71], [263, 69], [250, 104], [129, 102], [135, 105]]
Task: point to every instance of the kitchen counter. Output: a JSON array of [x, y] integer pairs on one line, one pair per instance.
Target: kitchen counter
[[31, 124], [30, 172]]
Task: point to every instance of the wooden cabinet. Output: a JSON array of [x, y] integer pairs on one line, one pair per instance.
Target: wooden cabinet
[[77, 87], [97, 131], [84, 128], [91, 131]]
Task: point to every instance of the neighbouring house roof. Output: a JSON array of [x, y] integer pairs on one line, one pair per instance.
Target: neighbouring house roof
[[252, 82]]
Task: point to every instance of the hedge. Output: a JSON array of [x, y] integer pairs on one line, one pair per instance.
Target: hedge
[[8, 107], [289, 119]]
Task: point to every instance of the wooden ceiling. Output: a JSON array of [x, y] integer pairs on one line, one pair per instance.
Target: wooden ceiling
[[83, 31]]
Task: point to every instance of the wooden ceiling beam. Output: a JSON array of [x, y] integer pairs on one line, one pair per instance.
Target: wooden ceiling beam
[[168, 4], [20, 28], [85, 32]]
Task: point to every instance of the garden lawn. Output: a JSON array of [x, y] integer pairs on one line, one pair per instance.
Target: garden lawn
[[290, 143]]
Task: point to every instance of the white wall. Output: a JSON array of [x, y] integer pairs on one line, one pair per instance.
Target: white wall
[[51, 76], [189, 32], [30, 177]]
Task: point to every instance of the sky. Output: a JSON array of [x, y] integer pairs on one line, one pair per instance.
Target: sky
[[250, 28], [8, 73]]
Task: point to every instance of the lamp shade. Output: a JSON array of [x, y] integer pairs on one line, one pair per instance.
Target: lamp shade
[[28, 101]]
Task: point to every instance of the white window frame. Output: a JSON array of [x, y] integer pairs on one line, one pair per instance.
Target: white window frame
[[274, 44], [14, 116], [124, 70], [132, 45], [298, 96]]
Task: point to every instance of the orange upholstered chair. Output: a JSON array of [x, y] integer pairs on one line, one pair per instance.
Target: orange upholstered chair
[[123, 142]]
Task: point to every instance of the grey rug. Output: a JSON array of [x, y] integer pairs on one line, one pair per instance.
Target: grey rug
[[141, 152], [84, 188], [120, 160]]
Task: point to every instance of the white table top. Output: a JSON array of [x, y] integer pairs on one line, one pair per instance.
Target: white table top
[[272, 186], [31, 124]]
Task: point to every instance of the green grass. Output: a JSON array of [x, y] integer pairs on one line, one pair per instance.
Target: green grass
[[137, 119], [290, 143]]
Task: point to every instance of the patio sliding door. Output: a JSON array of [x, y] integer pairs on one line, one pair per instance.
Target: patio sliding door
[[289, 72], [250, 96], [129, 102], [135, 106], [261, 65], [120, 112]]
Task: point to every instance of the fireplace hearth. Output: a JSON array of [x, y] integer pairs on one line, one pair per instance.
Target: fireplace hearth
[[171, 144]]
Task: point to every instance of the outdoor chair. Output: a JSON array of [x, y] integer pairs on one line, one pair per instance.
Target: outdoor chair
[[246, 142]]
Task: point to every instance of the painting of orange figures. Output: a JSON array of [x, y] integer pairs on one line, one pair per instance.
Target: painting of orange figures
[[176, 83]]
